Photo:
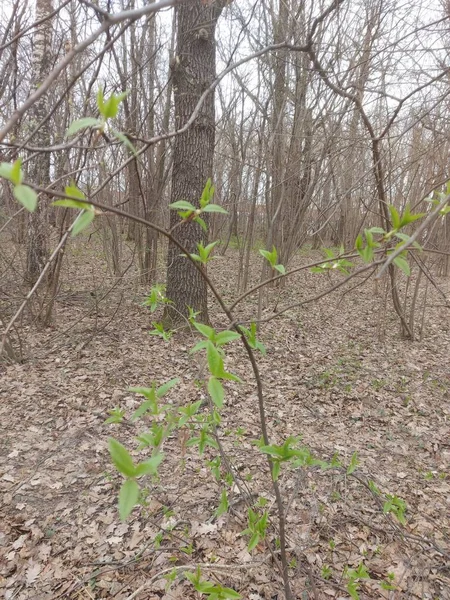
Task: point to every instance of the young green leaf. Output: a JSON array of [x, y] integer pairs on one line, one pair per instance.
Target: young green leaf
[[224, 337], [83, 221], [223, 505], [214, 208], [74, 191], [199, 346], [207, 194], [202, 223], [128, 497], [395, 217], [270, 256], [163, 389], [121, 458], [216, 391], [71, 204], [110, 107], [215, 360], [205, 330], [83, 123], [403, 265], [354, 462], [26, 196], [407, 217], [253, 541], [149, 466], [366, 254], [182, 205], [12, 172], [5, 170]]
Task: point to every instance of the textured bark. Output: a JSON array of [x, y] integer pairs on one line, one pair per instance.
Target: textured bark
[[193, 72], [39, 168]]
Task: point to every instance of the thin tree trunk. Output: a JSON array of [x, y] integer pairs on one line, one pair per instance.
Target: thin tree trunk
[[39, 169]]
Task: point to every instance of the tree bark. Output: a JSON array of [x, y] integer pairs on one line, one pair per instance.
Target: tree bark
[[193, 68], [39, 169]]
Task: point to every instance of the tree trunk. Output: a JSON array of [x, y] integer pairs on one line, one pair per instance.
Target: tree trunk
[[194, 69], [39, 169]]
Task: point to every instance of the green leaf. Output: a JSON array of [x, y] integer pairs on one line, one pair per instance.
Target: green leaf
[[16, 172], [354, 462], [224, 337], [214, 208], [26, 196], [205, 330], [216, 391], [223, 505], [83, 123], [121, 458], [407, 217], [352, 588], [202, 223], [182, 205], [6, 170], [111, 106], [379, 230], [83, 221], [128, 497], [163, 389], [199, 346], [125, 141], [275, 470], [396, 222], [210, 246], [149, 466], [148, 393], [207, 194], [230, 377], [215, 360], [253, 541], [74, 191], [402, 264], [71, 204], [280, 269], [270, 256], [366, 254], [148, 405], [369, 237], [12, 172]]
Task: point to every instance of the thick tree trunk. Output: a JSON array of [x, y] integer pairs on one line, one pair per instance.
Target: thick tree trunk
[[39, 168], [193, 72]]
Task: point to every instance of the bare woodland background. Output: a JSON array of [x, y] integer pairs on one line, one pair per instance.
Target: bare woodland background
[[320, 116]]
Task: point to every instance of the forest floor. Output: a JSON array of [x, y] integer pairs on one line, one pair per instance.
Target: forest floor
[[336, 372]]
